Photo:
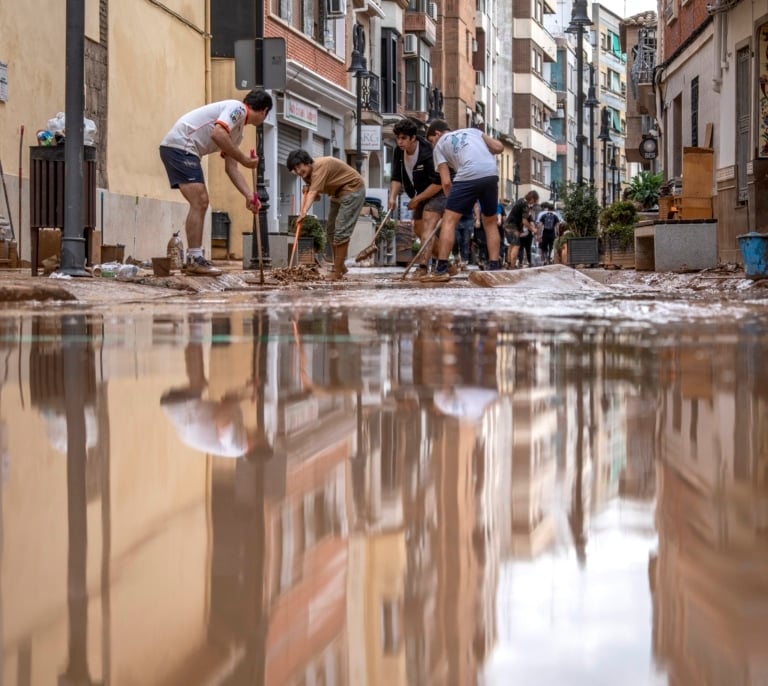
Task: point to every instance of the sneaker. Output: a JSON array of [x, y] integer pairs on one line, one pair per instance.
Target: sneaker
[[199, 266], [436, 277], [418, 273]]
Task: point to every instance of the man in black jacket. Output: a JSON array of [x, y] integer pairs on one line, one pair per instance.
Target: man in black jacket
[[413, 171]]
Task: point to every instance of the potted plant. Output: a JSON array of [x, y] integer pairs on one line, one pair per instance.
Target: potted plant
[[312, 238], [617, 223], [580, 211], [645, 188]]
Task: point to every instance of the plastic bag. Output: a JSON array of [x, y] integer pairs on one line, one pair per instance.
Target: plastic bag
[[57, 126]]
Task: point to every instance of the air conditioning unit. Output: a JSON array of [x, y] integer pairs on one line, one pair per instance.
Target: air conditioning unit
[[410, 44], [432, 10], [336, 8]]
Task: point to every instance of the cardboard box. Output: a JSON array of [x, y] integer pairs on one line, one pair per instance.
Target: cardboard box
[[695, 208]]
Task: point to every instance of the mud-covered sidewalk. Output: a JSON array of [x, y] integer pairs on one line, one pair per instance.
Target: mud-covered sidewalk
[[17, 285]]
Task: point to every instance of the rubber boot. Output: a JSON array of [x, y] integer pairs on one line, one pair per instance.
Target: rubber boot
[[339, 257]]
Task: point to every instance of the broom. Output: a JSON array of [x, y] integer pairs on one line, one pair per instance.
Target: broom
[[365, 253], [427, 242]]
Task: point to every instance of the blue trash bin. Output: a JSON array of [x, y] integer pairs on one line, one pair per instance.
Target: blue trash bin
[[754, 251]]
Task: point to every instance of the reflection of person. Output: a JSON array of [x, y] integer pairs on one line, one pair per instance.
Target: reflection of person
[[466, 402], [214, 427], [346, 188], [216, 127], [471, 153]]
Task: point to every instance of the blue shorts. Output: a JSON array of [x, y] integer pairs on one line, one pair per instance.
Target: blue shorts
[[181, 167], [464, 194]]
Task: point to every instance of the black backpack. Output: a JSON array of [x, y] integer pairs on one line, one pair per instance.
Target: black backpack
[[549, 221]]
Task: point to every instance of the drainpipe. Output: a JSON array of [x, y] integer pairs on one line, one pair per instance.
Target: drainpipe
[[207, 40]]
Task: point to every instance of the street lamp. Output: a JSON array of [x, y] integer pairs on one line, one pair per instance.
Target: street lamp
[[604, 136], [516, 179], [614, 170], [579, 20], [592, 103], [360, 69]]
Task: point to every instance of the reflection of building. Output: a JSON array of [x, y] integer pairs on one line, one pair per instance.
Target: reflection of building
[[710, 578]]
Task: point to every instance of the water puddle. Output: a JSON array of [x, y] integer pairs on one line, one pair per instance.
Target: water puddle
[[275, 493]]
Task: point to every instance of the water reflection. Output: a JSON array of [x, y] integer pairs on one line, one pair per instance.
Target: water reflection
[[439, 501]]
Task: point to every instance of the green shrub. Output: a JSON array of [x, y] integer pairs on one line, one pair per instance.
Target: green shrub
[[311, 227], [580, 209], [645, 188], [618, 222]]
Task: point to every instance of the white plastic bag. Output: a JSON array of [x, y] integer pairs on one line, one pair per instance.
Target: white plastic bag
[[57, 125]]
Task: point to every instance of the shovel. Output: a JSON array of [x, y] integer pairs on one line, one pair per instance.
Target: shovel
[[365, 253], [423, 247]]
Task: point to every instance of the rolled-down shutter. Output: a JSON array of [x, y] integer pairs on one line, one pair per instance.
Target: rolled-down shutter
[[318, 146], [288, 139]]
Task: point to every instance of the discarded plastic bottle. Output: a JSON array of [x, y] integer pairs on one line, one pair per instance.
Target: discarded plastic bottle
[[175, 251], [127, 271]]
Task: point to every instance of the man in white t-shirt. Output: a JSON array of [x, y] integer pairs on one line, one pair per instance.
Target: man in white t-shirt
[[217, 127], [472, 154]]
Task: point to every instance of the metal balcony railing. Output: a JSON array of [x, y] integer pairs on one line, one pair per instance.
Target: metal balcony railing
[[370, 93]]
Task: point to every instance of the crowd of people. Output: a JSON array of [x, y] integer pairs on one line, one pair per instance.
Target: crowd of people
[[449, 176]]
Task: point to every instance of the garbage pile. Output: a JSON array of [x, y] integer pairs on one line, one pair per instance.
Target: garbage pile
[[55, 132]]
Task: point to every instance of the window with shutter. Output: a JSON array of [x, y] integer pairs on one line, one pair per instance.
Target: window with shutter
[[743, 120]]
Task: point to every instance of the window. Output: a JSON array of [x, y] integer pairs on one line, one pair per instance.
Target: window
[[538, 11], [307, 16], [417, 83], [389, 73]]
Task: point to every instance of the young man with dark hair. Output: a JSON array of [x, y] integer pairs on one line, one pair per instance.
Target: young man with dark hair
[[346, 188], [469, 152], [413, 171], [217, 127]]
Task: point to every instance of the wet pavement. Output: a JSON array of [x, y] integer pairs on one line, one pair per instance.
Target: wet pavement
[[564, 481]]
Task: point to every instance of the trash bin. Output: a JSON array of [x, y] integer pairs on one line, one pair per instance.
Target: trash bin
[[47, 198], [220, 224]]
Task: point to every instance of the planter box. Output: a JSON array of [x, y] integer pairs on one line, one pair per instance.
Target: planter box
[[583, 250], [618, 256]]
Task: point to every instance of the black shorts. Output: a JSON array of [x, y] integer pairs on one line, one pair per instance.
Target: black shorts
[[181, 167], [512, 234]]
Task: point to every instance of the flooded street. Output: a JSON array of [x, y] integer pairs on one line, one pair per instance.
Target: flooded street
[[385, 485]]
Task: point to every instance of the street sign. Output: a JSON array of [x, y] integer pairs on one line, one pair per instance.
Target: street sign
[[247, 72]]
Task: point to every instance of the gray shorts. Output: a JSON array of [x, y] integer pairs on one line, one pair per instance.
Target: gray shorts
[[343, 216]]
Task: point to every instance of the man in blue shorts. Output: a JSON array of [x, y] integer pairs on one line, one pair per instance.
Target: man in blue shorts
[[217, 127], [470, 152]]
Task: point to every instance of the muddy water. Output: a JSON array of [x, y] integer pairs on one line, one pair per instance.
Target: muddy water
[[381, 496]]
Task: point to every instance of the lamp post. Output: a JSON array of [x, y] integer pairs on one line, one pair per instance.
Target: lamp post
[[614, 170], [359, 68], [579, 21], [604, 136], [516, 180], [592, 103]]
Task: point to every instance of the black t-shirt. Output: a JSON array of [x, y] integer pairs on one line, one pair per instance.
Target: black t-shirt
[[518, 211]]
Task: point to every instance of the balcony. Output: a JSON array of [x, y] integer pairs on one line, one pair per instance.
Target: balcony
[[422, 23]]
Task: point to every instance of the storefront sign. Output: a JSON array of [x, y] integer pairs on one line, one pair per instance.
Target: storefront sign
[[370, 138], [300, 112]]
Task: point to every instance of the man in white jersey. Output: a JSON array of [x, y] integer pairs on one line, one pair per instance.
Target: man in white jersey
[[471, 153], [217, 127]]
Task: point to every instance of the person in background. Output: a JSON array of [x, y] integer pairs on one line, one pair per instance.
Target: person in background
[[471, 153], [520, 229], [217, 127], [548, 222], [346, 188]]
